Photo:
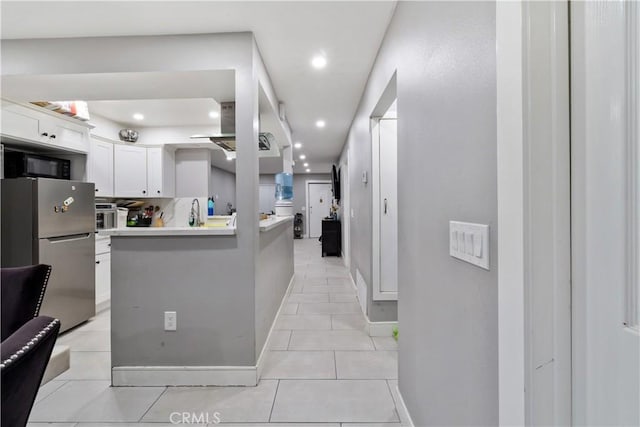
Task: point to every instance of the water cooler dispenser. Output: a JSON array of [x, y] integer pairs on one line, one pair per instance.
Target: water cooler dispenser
[[284, 194]]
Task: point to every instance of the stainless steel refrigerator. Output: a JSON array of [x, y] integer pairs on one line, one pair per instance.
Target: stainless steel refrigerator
[[52, 221]]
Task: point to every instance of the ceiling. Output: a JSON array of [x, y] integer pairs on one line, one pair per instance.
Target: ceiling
[[158, 112], [288, 35]]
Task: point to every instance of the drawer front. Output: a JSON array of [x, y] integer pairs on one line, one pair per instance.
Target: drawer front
[[103, 246]]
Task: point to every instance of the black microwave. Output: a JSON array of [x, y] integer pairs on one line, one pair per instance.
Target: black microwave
[[18, 164]]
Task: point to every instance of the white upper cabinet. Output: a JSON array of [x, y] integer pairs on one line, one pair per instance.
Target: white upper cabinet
[[100, 167], [32, 126], [130, 171], [161, 172], [18, 125]]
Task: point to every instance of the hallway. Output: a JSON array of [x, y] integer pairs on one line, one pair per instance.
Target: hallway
[[321, 368]]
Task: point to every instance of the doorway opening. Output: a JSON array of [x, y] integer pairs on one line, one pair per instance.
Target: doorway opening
[[384, 177], [319, 200]]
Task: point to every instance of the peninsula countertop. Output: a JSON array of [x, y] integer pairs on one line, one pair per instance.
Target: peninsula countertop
[[169, 231], [273, 222]]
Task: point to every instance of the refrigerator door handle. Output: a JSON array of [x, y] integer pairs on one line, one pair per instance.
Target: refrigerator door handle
[[71, 238]]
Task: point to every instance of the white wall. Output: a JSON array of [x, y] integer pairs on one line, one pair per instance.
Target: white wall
[[105, 128], [445, 57]]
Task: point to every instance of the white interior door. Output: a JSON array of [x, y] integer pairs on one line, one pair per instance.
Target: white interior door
[[605, 98], [319, 206], [346, 212], [388, 205]]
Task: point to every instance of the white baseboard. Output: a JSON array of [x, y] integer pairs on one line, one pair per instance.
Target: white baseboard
[[403, 412], [374, 329], [267, 342], [380, 329], [162, 376], [103, 305]]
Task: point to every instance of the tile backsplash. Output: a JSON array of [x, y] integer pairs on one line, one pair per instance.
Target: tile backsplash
[[176, 211]]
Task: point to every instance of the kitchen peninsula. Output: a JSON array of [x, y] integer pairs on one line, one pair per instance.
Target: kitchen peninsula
[[198, 276], [188, 306]]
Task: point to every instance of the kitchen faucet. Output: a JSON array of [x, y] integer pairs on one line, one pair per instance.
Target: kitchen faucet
[[194, 215]]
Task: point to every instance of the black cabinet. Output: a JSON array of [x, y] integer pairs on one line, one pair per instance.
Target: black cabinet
[[331, 237]]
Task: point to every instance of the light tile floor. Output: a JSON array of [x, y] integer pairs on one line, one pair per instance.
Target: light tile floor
[[322, 369]]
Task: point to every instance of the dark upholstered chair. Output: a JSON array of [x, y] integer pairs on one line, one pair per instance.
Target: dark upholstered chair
[[27, 340], [22, 293]]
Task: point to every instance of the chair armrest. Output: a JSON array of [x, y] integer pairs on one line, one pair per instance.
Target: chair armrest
[[26, 339]]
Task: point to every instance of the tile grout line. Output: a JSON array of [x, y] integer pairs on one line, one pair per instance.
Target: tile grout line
[[154, 402], [393, 399], [64, 382], [335, 364], [289, 342], [273, 404]]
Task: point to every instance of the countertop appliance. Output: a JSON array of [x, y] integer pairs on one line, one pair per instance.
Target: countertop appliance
[[18, 164], [52, 221], [106, 216]]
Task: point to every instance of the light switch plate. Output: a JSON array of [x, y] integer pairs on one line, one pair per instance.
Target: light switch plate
[[469, 242]]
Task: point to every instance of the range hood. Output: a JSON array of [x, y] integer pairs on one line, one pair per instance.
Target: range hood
[[227, 138]]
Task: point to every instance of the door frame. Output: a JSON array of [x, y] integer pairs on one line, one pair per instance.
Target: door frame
[[534, 213], [306, 187], [388, 97], [346, 210], [378, 295]]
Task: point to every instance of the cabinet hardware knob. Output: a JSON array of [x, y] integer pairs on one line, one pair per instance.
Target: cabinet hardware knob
[[96, 190], [97, 262], [53, 136], [144, 191], [44, 134], [158, 191]]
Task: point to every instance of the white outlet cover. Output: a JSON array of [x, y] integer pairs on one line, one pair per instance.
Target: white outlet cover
[[469, 242], [170, 321]]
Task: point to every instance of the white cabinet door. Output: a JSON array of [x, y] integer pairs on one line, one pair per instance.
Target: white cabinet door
[[19, 125], [43, 129], [103, 278], [130, 171], [160, 172], [100, 167], [72, 137]]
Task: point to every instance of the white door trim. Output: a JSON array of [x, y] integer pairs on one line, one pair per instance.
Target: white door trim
[[534, 253], [346, 211], [388, 97], [306, 188]]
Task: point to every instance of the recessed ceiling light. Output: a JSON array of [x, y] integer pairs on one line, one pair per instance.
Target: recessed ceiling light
[[306, 165], [302, 157], [298, 145], [308, 170], [319, 61], [320, 123], [214, 114], [138, 116]]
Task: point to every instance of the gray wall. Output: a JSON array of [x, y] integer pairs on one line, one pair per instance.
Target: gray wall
[[444, 55], [299, 190], [199, 278], [223, 185], [275, 270]]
